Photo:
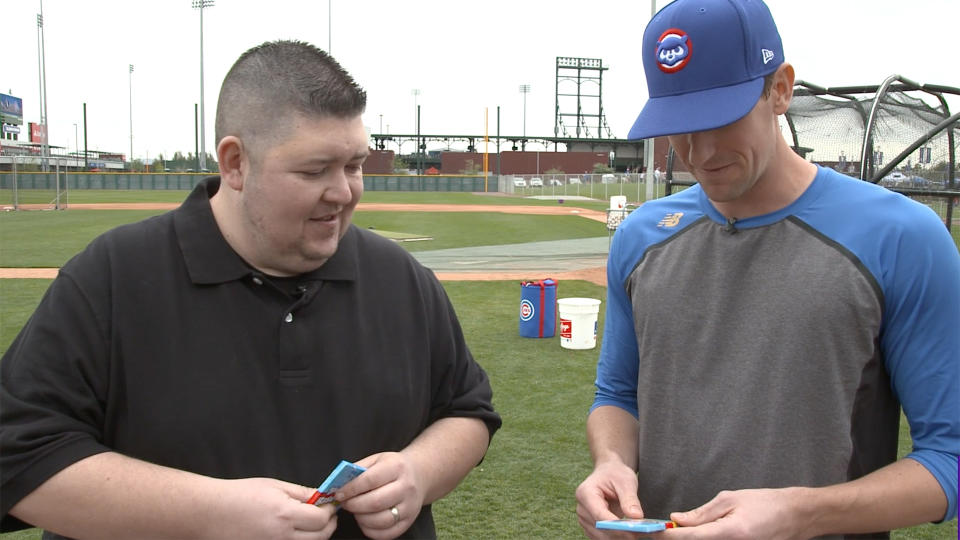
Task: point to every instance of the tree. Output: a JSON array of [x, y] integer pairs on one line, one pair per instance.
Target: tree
[[554, 172], [212, 164], [470, 168], [179, 162], [400, 166], [187, 163], [600, 168]]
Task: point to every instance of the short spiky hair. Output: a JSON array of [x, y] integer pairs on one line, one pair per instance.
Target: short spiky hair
[[274, 80]]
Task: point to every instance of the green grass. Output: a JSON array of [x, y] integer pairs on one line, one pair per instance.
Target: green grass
[[468, 229], [38, 239], [399, 236], [49, 239], [18, 299], [31, 196], [28, 534], [37, 196], [525, 486], [634, 191]]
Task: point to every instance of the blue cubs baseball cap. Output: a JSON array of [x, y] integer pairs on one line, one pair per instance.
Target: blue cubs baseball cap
[[705, 61]]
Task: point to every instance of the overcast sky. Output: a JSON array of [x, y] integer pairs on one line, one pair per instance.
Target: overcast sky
[[462, 56]]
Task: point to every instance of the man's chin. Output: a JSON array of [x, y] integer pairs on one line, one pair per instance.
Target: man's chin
[[319, 253], [317, 250]]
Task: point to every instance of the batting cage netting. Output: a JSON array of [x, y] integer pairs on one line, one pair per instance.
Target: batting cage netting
[[899, 134]]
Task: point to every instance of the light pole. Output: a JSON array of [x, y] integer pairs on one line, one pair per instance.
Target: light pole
[[39, 79], [524, 89], [200, 4], [42, 59], [416, 124], [415, 92], [76, 141], [649, 145], [130, 81]]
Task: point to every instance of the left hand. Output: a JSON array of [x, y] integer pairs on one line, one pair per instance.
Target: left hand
[[745, 514], [389, 482]]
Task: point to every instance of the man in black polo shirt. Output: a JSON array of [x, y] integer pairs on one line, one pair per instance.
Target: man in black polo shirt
[[189, 376]]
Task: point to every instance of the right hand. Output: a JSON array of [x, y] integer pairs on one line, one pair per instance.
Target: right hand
[[610, 492], [258, 508]]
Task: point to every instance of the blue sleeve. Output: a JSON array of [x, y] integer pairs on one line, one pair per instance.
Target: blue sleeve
[[617, 368], [920, 339]]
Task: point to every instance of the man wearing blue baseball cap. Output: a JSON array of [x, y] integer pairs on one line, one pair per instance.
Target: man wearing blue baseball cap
[[766, 326]]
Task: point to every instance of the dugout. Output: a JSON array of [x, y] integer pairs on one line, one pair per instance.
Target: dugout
[[897, 129]]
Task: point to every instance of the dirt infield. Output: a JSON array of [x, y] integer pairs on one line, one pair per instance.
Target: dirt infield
[[596, 275], [28, 273], [373, 207], [595, 215]]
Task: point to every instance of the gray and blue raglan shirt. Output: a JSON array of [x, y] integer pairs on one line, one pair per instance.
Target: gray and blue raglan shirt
[[778, 352]]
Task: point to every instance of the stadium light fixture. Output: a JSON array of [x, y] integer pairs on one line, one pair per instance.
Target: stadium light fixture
[[524, 89], [130, 81], [200, 4], [42, 65], [415, 93]]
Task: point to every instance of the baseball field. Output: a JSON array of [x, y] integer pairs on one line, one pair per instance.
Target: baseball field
[[525, 486]]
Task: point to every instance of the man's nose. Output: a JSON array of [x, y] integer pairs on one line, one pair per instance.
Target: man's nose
[[338, 191]]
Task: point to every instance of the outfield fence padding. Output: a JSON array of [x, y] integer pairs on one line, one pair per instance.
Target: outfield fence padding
[[85, 180], [187, 181]]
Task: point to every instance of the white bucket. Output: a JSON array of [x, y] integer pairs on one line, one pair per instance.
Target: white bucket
[[618, 202], [578, 322]]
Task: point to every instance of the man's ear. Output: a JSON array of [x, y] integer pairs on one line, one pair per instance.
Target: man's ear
[[782, 89], [232, 161]]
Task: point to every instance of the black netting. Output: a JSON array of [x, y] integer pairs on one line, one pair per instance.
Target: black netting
[[828, 127], [908, 147]]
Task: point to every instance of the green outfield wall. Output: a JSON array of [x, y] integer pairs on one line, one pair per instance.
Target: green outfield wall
[[180, 181]]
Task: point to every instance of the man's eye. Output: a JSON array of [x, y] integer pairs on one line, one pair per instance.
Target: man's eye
[[313, 173]]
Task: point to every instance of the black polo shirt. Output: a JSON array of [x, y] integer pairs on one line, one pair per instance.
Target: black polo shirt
[[159, 342]]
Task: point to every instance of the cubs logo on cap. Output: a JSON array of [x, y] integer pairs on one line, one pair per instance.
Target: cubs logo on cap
[[673, 50], [718, 81]]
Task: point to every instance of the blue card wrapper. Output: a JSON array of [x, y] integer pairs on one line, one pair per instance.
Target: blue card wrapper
[[636, 525], [341, 474]]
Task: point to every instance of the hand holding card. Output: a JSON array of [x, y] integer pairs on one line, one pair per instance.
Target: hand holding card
[[636, 525], [343, 473]]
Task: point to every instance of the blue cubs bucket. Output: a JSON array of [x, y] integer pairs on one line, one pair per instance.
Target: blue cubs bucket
[[538, 308]]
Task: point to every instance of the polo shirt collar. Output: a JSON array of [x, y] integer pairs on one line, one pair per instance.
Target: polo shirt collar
[[210, 259]]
